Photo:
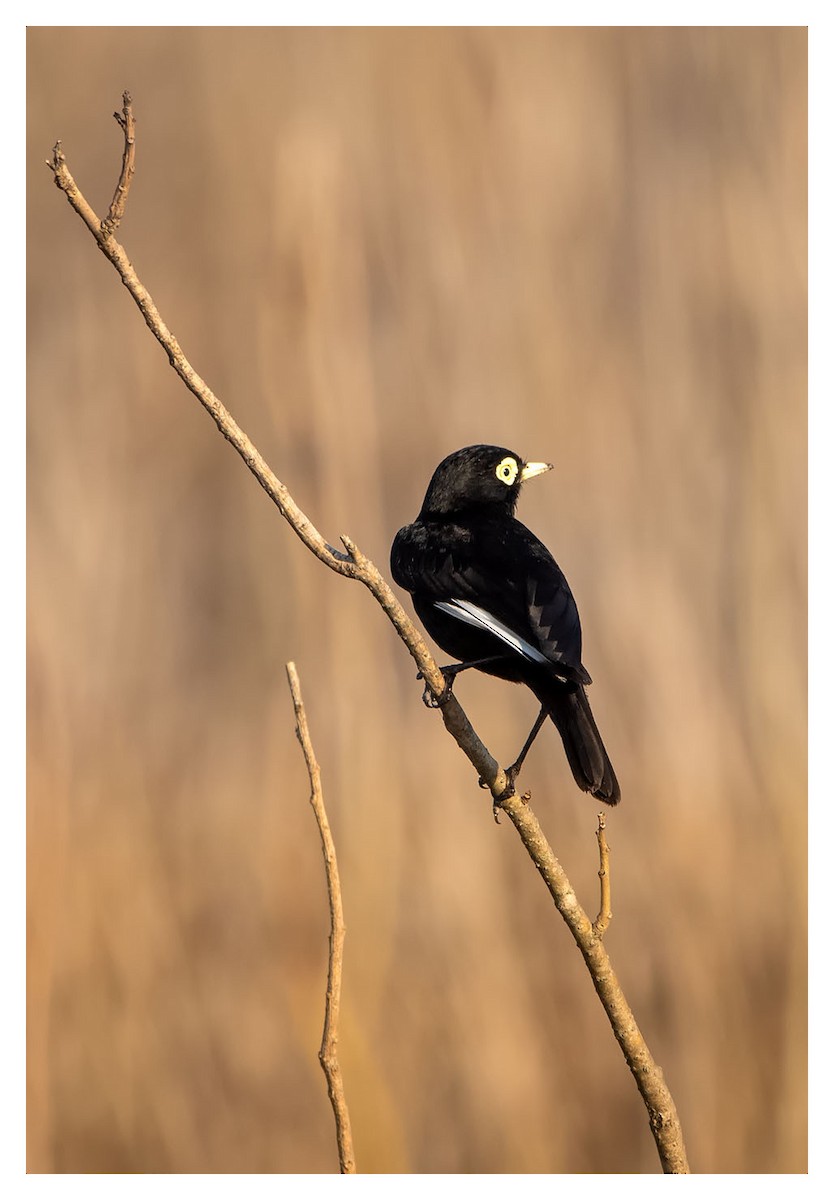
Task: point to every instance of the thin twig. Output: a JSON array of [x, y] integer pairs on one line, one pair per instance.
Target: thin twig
[[605, 914], [663, 1117], [119, 202], [327, 1054]]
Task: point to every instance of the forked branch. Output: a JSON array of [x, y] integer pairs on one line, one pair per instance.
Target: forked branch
[[663, 1117]]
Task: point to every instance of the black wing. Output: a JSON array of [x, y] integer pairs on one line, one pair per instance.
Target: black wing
[[497, 570]]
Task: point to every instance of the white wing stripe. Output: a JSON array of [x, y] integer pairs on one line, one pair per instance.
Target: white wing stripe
[[464, 610]]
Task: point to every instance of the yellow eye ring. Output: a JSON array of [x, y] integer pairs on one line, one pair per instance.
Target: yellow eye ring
[[507, 471]]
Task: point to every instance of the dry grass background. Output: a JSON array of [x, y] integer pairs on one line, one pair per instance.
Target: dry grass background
[[378, 245]]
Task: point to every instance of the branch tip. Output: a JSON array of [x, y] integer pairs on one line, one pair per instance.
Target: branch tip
[[601, 923], [350, 546], [119, 202]]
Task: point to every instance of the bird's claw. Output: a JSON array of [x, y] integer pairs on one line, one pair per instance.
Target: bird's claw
[[510, 774], [429, 699], [497, 804]]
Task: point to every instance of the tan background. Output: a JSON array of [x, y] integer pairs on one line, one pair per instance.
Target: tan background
[[378, 246]]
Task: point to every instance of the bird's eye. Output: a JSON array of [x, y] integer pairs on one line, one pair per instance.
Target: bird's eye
[[507, 470]]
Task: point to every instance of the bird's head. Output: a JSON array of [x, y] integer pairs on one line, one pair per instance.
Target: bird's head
[[479, 478]]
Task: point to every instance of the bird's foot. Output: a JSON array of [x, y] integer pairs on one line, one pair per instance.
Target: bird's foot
[[432, 701], [509, 790], [511, 775]]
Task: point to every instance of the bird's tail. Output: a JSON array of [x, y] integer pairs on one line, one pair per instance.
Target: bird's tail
[[571, 713]]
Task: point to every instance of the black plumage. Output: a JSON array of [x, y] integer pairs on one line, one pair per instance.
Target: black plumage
[[492, 596]]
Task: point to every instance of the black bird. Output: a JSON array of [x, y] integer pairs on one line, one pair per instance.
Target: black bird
[[490, 594]]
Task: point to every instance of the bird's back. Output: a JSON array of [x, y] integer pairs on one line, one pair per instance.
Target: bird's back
[[497, 564]]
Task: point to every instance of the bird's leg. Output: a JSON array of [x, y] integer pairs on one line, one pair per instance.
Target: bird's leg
[[513, 771], [450, 674]]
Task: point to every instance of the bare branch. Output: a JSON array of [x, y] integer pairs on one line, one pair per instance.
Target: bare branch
[[119, 202], [605, 914], [648, 1076], [663, 1116], [327, 1054]]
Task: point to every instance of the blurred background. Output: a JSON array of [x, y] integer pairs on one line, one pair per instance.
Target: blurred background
[[377, 246]]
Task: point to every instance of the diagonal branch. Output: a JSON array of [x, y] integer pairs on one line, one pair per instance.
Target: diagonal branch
[[327, 1054], [663, 1117]]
